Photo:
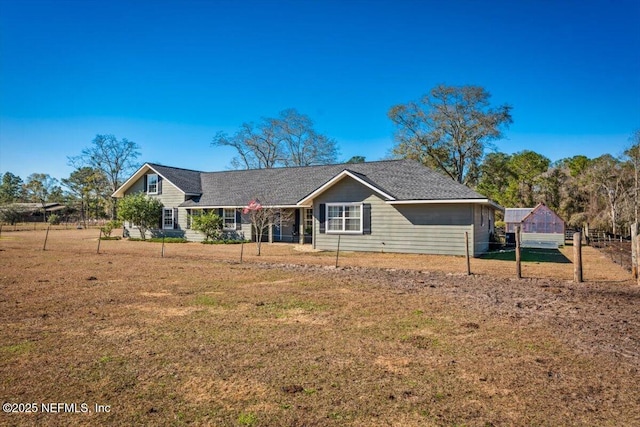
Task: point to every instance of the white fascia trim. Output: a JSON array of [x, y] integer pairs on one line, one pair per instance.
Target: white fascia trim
[[444, 201], [307, 200], [120, 191], [136, 176], [241, 207]]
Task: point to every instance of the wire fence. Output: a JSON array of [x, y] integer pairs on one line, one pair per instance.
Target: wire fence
[[617, 248], [42, 226], [287, 249]]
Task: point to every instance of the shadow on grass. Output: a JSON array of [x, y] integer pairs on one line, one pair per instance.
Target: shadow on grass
[[529, 255]]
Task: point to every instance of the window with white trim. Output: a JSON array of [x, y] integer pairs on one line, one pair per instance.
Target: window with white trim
[[152, 183], [344, 218], [229, 219], [308, 220], [167, 218]]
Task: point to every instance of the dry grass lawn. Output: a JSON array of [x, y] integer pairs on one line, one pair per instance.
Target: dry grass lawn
[[286, 339]]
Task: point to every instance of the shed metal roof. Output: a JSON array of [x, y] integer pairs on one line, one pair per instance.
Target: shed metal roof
[[516, 215]]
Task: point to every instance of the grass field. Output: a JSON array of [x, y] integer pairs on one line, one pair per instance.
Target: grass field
[[286, 339]]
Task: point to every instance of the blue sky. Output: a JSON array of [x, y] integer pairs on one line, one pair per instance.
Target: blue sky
[[170, 74]]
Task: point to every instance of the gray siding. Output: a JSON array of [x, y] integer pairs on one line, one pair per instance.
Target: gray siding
[[419, 228], [483, 223], [170, 197]]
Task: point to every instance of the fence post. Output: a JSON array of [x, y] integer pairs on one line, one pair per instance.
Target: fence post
[[162, 252], [46, 236], [637, 245], [338, 251], [241, 251], [634, 252], [518, 264], [466, 247], [577, 257]]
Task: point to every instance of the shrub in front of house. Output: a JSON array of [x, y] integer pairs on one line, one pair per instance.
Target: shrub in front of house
[[109, 227], [159, 240]]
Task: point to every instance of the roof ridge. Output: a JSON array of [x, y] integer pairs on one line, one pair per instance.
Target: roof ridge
[[173, 167], [309, 166]]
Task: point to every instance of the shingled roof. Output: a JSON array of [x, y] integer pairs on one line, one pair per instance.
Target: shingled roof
[[399, 180], [186, 180]]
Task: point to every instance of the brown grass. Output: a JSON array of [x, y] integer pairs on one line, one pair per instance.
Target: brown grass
[[286, 339]]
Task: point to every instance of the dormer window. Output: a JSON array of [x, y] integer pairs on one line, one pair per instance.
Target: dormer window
[[152, 183]]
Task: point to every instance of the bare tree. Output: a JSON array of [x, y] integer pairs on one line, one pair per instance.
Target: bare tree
[[116, 159], [632, 155], [303, 146], [449, 129], [288, 140], [263, 217], [608, 177], [257, 147]]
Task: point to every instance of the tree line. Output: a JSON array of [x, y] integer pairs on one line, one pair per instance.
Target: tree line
[[451, 129], [100, 169]]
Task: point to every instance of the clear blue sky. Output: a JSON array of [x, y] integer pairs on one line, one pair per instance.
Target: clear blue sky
[[170, 74]]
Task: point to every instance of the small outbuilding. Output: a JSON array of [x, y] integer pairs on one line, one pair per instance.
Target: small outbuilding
[[540, 227]]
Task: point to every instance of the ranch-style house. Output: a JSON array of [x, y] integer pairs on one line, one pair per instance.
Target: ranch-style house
[[385, 206]]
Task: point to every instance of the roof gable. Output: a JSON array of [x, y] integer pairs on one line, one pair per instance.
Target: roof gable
[[521, 215], [362, 179], [541, 210], [185, 180]]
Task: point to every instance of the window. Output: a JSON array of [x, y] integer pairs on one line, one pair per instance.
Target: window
[[192, 213], [308, 221], [167, 218], [344, 218], [152, 183], [229, 219]]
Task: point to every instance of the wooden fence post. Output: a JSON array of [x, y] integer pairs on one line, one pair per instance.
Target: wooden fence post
[[466, 247], [46, 236], [338, 251], [241, 251], [518, 264], [577, 257], [634, 252], [162, 252], [637, 244], [99, 240]]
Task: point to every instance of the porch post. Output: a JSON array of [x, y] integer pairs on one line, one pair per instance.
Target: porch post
[[301, 226]]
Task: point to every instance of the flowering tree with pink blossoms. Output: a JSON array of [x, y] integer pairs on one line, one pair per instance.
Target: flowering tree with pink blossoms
[[262, 217]]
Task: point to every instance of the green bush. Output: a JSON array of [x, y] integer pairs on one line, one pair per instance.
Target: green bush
[[54, 219], [208, 223], [141, 210], [224, 242], [109, 227], [159, 239], [110, 238]]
